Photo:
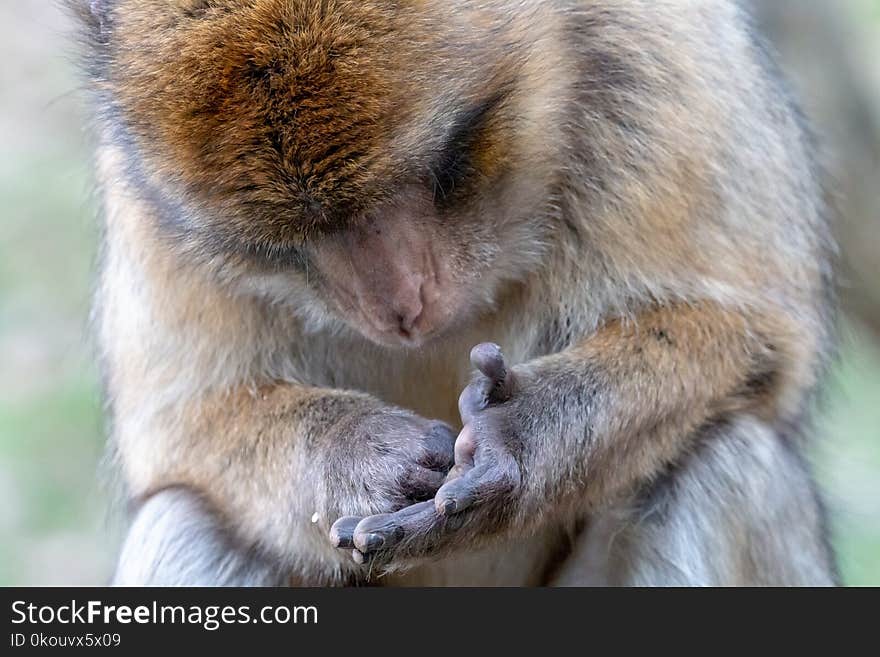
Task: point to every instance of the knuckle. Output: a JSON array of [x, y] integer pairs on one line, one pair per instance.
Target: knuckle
[[474, 394], [437, 434], [466, 443]]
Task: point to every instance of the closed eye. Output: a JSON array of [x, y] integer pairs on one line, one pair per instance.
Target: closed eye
[[453, 165]]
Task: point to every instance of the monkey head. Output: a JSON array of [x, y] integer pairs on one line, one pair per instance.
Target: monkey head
[[381, 164]]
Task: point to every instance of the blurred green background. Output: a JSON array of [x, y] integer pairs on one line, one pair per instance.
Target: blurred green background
[[55, 523]]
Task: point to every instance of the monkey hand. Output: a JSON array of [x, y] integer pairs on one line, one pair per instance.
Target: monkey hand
[[384, 460], [478, 498]]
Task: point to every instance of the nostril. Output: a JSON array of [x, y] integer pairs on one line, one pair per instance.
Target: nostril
[[408, 316], [404, 327], [407, 322]]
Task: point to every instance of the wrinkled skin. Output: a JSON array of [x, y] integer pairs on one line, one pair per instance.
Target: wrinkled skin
[[475, 494]]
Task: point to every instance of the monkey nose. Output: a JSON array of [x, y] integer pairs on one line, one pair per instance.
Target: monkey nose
[[406, 315]]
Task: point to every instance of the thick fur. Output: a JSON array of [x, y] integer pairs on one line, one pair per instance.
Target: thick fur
[[623, 196], [158, 550], [682, 531]]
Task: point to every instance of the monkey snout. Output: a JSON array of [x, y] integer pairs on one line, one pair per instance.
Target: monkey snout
[[398, 313], [389, 277], [406, 313]]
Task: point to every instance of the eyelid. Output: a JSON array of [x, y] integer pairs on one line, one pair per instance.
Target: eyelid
[[454, 160]]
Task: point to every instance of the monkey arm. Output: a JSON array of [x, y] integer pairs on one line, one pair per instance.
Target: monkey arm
[[632, 396], [275, 462], [571, 431], [279, 463]]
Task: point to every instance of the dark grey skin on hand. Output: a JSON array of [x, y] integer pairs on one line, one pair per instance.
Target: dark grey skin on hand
[[408, 456], [478, 490]]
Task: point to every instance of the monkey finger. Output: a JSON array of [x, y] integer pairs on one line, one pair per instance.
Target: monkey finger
[[481, 393], [473, 399], [384, 531], [465, 446], [461, 493], [342, 531], [421, 483], [439, 447], [457, 471], [492, 479], [489, 360]]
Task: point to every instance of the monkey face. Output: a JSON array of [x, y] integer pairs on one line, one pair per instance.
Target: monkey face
[[364, 153], [400, 276]]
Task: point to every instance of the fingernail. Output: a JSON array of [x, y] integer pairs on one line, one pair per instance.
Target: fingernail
[[374, 541]]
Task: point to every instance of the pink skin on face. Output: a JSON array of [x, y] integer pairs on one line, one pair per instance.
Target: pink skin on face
[[388, 278]]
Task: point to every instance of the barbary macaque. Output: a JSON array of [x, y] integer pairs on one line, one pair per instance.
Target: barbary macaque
[[457, 293]]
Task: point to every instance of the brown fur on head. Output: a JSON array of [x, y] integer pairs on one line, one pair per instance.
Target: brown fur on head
[[291, 134]]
